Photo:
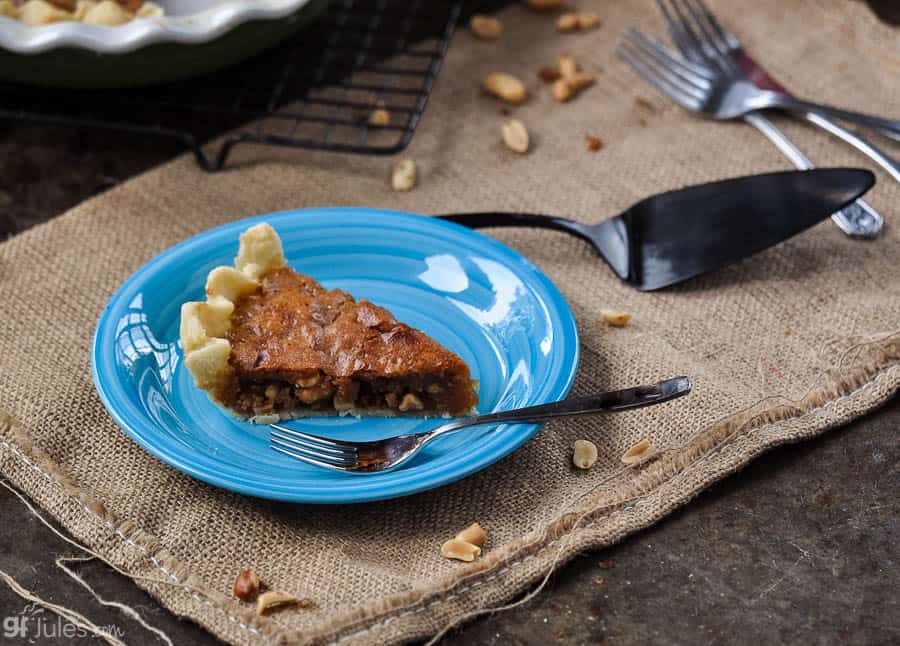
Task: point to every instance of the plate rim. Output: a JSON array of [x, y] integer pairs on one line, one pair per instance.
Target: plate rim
[[204, 473]]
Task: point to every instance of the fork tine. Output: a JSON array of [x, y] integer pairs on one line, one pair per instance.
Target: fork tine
[[308, 460], [651, 57], [692, 43], [707, 33], [727, 37], [649, 73], [314, 446], [319, 442], [286, 442], [694, 74], [676, 30]]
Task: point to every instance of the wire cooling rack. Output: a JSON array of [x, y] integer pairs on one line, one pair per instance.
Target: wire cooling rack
[[316, 91]]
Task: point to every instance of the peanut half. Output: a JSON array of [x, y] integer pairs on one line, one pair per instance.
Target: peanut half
[[566, 88], [268, 600], [380, 118], [568, 66], [410, 402], [614, 318], [404, 176], [584, 454], [515, 136], [571, 80], [485, 27], [506, 87], [460, 550], [473, 534], [639, 452], [577, 21]]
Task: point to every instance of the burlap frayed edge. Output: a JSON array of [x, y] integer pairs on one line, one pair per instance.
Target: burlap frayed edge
[[835, 385], [175, 572]]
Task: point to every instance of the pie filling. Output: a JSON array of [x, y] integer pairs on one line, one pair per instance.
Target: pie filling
[[270, 343], [286, 398]]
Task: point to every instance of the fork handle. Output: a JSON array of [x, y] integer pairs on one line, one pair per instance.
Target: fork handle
[[600, 403], [876, 154], [857, 219], [495, 219], [800, 107]]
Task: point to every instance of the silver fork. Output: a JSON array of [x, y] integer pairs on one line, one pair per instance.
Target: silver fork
[[701, 37], [739, 96], [692, 85], [392, 452]]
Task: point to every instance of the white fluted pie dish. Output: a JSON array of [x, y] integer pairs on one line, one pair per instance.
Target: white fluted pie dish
[[192, 37], [183, 21]]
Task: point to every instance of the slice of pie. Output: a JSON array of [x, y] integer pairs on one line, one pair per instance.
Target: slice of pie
[[269, 344]]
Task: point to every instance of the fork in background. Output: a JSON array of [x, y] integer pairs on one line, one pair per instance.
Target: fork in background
[[702, 38], [694, 86]]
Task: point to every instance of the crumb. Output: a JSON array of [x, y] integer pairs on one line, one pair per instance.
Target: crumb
[[599, 580], [787, 333], [641, 102], [549, 73], [594, 143]]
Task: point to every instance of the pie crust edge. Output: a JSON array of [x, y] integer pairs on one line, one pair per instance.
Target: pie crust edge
[[205, 324]]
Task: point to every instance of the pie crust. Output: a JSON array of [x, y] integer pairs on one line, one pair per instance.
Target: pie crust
[[269, 343]]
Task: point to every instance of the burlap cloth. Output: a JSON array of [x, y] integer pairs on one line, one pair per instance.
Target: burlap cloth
[[781, 347]]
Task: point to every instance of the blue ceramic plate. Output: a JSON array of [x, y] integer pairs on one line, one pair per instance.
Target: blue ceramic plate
[[479, 298]]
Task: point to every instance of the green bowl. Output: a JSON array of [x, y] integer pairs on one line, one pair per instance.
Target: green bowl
[[70, 67]]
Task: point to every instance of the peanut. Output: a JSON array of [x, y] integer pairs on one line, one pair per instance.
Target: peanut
[[563, 90], [312, 394], [473, 534], [584, 454], [515, 136], [639, 452], [616, 319], [460, 550], [410, 402], [567, 22], [404, 176], [268, 600], [506, 87], [580, 80], [568, 67], [380, 118], [485, 27], [311, 380], [578, 21]]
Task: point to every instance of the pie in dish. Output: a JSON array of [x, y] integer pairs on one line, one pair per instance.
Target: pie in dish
[[269, 344], [94, 12]]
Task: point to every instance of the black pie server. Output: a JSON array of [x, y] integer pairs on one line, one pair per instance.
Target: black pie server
[[673, 236]]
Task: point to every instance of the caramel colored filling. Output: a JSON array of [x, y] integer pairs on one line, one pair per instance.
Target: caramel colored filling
[[297, 347]]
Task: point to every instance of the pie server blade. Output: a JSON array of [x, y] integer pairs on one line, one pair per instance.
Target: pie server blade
[[673, 236]]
